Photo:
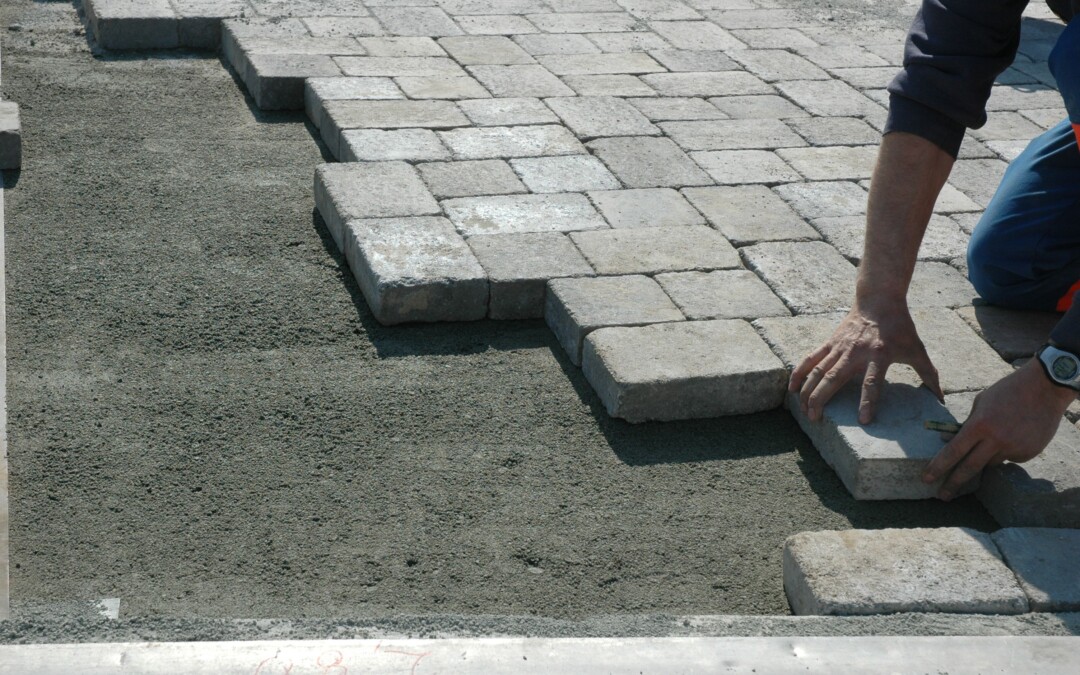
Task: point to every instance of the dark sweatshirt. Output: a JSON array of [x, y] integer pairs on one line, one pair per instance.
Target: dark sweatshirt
[[954, 52]]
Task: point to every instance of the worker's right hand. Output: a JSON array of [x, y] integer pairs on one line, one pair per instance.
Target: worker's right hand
[[867, 342]]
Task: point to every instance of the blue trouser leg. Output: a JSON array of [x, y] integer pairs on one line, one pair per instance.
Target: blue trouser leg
[[1025, 251]]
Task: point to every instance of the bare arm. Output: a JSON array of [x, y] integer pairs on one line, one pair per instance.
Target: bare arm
[[878, 331]]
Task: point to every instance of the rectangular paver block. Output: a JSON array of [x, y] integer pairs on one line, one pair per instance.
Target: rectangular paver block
[[685, 370], [1044, 560], [884, 459], [379, 145], [345, 192], [732, 134], [576, 307], [951, 569], [523, 213], [399, 66], [199, 24], [497, 112], [749, 214], [633, 63], [441, 87], [737, 167], [1014, 334], [133, 24], [832, 163], [485, 50], [595, 116], [727, 83], [340, 116], [758, 107], [643, 162], [10, 136], [943, 240], [677, 108], [823, 199], [724, 294], [811, 277], [413, 21], [276, 81], [649, 250], [520, 265], [520, 81], [646, 207], [507, 142], [567, 173], [828, 98], [319, 90], [608, 85], [416, 269], [471, 178]]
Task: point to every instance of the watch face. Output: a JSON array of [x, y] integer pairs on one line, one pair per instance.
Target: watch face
[[1065, 368]]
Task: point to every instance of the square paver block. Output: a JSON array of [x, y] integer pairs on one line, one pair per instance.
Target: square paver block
[[486, 50], [1014, 334], [10, 136], [820, 200], [416, 269], [1044, 560], [576, 307], [884, 459], [810, 277], [520, 265], [1042, 492], [506, 142], [133, 24], [496, 112], [471, 179], [596, 116], [749, 214], [523, 213], [643, 162], [684, 370], [345, 192], [276, 81], [318, 90], [733, 83], [520, 81], [737, 167], [648, 250], [647, 207], [379, 145], [949, 569], [725, 294], [568, 173], [834, 163], [732, 134]]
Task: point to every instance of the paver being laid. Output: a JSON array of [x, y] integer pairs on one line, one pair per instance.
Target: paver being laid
[[1044, 561], [684, 370], [952, 569]]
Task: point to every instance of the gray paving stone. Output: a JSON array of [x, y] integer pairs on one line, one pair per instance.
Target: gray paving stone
[[828, 98], [810, 277], [841, 56], [1025, 97], [736, 167], [608, 85], [597, 116], [649, 207], [964, 361], [340, 116], [401, 46], [584, 22], [343, 26], [10, 136], [584, 5], [835, 131], [659, 10], [631, 63], [1013, 334], [575, 307], [1046, 118], [793, 338], [749, 214], [502, 142], [335, 8], [733, 83], [696, 35], [757, 107], [481, 7], [470, 179], [199, 21], [523, 213], [966, 221], [413, 21], [773, 38], [679, 60], [441, 87], [622, 43], [300, 44], [754, 18], [952, 201], [507, 111], [732, 134], [416, 269], [495, 24], [955, 570], [675, 109], [832, 163], [380, 145], [650, 250], [1044, 561], [973, 149], [644, 161], [399, 66], [724, 294], [234, 31], [937, 284], [773, 65], [866, 78], [345, 192], [978, 178], [1007, 150], [943, 241], [481, 50], [543, 43], [318, 90], [133, 24], [520, 265], [1043, 492], [569, 173], [684, 370], [821, 200], [520, 81], [276, 81]]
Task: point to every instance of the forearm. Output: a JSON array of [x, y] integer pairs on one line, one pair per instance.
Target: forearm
[[910, 173]]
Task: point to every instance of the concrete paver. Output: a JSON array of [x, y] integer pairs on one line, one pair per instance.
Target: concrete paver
[[650, 250], [810, 277], [470, 178], [523, 213], [10, 136], [723, 294], [646, 207], [644, 162], [1044, 561], [749, 214]]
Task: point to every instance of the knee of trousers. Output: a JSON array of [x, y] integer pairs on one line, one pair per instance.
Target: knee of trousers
[[988, 264]]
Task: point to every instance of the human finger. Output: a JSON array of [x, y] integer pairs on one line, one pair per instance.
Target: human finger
[[970, 467], [806, 365], [872, 384], [949, 456], [814, 376], [830, 383], [927, 372]]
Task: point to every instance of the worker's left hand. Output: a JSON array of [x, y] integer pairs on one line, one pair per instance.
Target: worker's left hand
[[1013, 420]]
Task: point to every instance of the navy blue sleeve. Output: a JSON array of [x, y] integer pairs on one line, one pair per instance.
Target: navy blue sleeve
[[954, 51]]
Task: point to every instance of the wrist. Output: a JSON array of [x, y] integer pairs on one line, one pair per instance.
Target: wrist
[[1053, 393]]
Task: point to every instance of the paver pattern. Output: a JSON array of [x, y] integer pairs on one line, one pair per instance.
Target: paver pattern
[[617, 163]]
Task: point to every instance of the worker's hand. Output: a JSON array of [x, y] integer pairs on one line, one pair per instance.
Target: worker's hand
[[868, 341], [1014, 420]]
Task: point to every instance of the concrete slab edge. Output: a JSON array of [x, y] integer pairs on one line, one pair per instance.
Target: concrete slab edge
[[569, 655], [4, 514]]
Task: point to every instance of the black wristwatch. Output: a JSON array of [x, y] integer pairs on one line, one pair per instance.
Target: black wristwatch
[[1062, 367]]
